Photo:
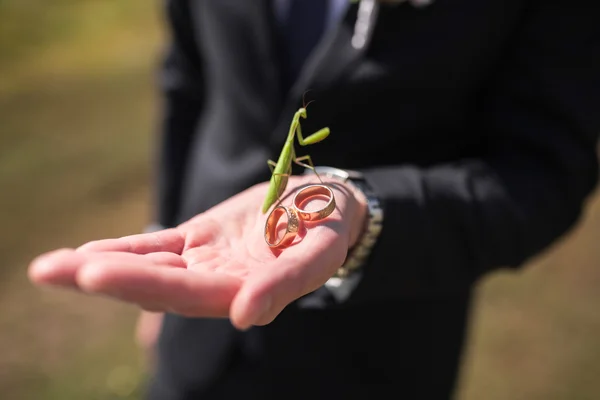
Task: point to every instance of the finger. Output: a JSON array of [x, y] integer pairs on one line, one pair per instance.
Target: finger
[[168, 240], [56, 268], [60, 267], [152, 307], [298, 271], [165, 259], [186, 292]]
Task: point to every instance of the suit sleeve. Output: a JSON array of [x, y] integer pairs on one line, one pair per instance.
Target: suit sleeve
[[182, 88], [447, 225]]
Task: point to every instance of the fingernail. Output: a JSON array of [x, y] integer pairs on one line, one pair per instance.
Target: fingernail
[[40, 269], [259, 311]]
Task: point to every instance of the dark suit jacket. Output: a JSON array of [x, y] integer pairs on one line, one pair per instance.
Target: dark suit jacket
[[476, 124]]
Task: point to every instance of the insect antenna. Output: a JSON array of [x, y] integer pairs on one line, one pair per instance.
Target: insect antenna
[[304, 104]]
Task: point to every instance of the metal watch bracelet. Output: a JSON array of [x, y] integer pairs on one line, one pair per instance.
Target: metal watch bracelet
[[358, 254]]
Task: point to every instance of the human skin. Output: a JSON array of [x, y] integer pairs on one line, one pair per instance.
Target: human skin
[[217, 263]]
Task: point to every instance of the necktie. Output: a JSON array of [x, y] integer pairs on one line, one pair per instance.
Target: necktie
[[302, 31]]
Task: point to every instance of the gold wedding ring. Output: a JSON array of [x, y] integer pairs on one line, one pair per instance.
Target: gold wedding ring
[[291, 230], [310, 191]]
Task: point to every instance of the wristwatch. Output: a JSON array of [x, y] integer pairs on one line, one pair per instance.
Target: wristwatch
[[358, 254]]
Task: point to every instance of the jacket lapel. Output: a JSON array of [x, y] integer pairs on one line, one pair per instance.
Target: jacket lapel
[[333, 56]]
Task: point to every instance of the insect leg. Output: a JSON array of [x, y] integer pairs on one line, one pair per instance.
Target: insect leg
[[309, 164]]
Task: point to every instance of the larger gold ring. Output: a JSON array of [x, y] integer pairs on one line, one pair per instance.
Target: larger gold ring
[[291, 230], [308, 192]]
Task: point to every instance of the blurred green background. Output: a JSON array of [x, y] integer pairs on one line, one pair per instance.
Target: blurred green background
[[78, 111]]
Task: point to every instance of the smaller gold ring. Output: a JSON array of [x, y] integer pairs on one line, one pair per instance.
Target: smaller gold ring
[[291, 230], [308, 192]]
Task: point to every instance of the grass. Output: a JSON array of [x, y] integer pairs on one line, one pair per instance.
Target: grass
[[76, 122], [535, 334], [77, 115]]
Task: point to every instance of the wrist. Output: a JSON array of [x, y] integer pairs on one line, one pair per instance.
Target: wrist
[[367, 220], [351, 201]]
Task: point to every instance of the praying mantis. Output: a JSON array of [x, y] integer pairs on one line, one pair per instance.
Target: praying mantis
[[282, 169]]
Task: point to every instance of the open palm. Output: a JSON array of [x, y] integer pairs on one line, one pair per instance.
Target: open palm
[[214, 265]]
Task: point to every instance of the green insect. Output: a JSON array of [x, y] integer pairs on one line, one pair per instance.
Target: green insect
[[282, 169]]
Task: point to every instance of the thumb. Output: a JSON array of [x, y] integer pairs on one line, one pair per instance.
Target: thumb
[[299, 270]]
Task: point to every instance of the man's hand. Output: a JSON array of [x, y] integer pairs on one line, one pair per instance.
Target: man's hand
[[216, 264], [147, 332]]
